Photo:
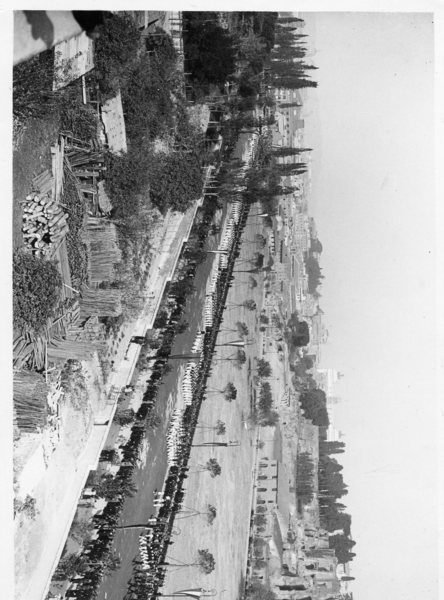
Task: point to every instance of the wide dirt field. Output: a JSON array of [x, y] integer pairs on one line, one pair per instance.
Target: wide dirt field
[[230, 493]]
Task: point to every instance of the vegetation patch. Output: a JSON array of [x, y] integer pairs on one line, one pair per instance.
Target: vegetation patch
[[36, 290]]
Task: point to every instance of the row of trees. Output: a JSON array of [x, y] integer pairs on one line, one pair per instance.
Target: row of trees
[[304, 477], [288, 67], [332, 489], [314, 405]]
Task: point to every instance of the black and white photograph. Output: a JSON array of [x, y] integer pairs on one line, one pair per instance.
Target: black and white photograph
[[226, 331]]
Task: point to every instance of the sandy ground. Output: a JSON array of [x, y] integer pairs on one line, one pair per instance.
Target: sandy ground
[[231, 492], [50, 492]]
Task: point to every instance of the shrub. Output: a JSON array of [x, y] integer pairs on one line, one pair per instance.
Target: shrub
[[127, 176], [260, 520], [27, 507], [175, 180], [148, 98], [32, 86], [78, 118], [115, 49], [36, 290]]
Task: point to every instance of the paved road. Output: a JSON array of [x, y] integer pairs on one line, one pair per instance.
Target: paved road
[[152, 475]]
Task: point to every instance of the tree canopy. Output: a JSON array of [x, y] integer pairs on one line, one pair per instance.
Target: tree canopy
[[206, 561], [208, 48], [314, 406], [257, 591], [263, 368], [115, 49], [213, 467]]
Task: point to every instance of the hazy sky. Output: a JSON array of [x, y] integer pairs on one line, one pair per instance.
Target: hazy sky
[[373, 202]]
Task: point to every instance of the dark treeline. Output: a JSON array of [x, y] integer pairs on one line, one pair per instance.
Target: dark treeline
[[332, 489]]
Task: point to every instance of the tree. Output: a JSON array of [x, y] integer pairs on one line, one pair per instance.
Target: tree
[[260, 239], [182, 288], [115, 49], [252, 283], [287, 169], [27, 507], [109, 487], [175, 180], [220, 428], [297, 333], [124, 416], [112, 562], [242, 328], [270, 419], [342, 546], [331, 447], [263, 368], [211, 513], [182, 327], [258, 260], [290, 20], [264, 319], [314, 405], [147, 99], [249, 304], [313, 271], [265, 398], [70, 565], [315, 245], [240, 359], [195, 254], [288, 151], [230, 391], [257, 591], [208, 48], [289, 104], [259, 544], [304, 477], [154, 420], [300, 337], [213, 467], [206, 561], [36, 290], [127, 179], [260, 520]]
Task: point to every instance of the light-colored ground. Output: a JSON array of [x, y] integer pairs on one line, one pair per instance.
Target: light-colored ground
[[231, 492], [54, 484]]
